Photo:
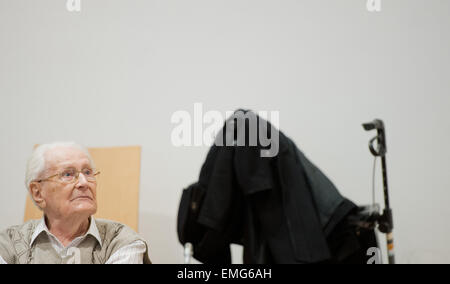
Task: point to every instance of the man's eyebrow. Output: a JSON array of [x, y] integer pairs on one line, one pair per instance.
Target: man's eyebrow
[[71, 165], [65, 165]]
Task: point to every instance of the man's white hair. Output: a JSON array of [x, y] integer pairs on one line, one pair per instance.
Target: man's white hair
[[36, 163]]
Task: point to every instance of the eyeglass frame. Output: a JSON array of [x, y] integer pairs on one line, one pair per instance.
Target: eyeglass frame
[[96, 173]]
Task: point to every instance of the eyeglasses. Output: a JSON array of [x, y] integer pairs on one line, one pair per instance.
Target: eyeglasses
[[71, 175]]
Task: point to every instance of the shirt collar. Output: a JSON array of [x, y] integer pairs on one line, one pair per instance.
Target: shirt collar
[[42, 227]]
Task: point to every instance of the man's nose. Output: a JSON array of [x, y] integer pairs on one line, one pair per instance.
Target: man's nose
[[82, 181]]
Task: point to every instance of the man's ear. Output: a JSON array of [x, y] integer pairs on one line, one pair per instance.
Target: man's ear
[[36, 195]]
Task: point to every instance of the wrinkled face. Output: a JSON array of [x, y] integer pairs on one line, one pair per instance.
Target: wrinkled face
[[61, 199]]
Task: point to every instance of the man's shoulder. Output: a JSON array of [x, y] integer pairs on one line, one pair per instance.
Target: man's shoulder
[[116, 235], [112, 231], [23, 230], [15, 239]]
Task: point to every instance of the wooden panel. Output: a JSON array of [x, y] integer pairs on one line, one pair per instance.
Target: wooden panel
[[118, 185], [31, 211]]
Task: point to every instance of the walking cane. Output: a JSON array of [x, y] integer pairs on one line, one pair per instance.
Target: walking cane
[[385, 221]]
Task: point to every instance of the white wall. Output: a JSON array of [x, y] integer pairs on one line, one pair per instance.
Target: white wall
[[114, 73]]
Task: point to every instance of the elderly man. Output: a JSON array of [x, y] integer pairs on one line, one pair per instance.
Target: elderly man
[[61, 180]]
